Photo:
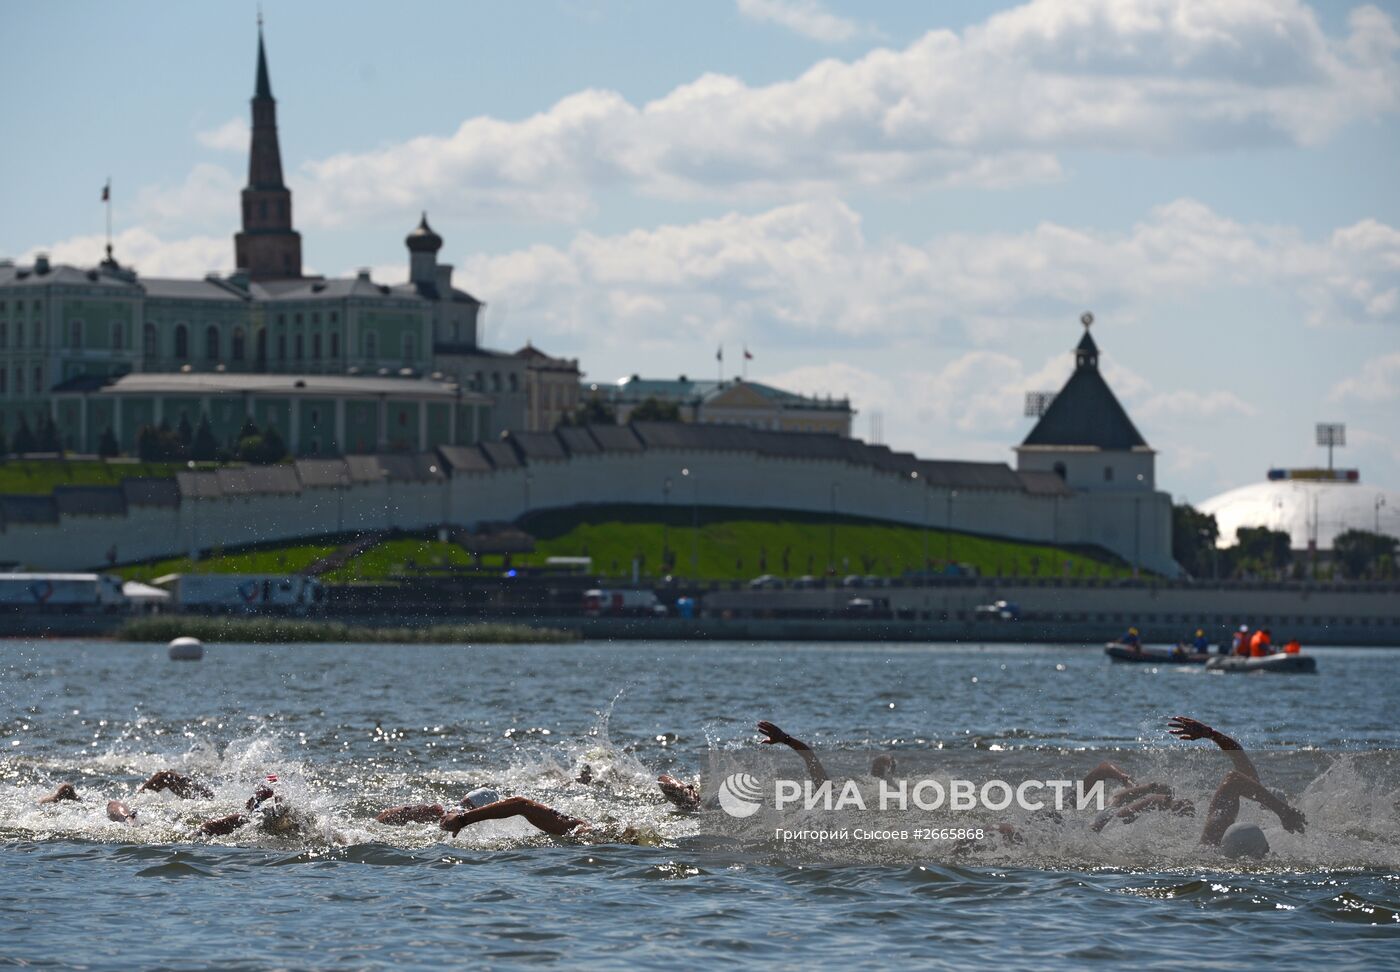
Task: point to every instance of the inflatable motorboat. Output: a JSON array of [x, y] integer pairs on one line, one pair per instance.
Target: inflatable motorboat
[[1282, 663], [1155, 656]]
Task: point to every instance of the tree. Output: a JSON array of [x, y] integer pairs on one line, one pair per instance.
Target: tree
[[594, 411], [654, 410], [24, 436], [204, 448], [47, 435], [107, 446], [159, 444], [263, 450], [250, 428], [1261, 549], [184, 431], [4, 446], [1193, 539], [1360, 552]]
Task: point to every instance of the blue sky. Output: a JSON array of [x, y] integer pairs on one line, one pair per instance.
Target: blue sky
[[906, 203]]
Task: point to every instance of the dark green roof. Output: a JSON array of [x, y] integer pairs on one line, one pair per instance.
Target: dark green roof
[[1086, 412]]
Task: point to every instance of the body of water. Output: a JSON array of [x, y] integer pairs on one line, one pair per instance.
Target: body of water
[[349, 730]]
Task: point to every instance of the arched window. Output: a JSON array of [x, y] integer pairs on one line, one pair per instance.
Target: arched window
[[19, 334], [118, 336], [75, 335], [236, 352], [182, 342], [211, 343], [299, 347], [38, 379], [316, 347], [4, 334], [335, 345], [409, 348], [371, 345], [38, 334], [514, 383], [19, 382], [262, 348], [281, 347], [148, 341], [4, 381], [495, 381]]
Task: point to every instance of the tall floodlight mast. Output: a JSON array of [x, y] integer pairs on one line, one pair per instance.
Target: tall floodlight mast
[[1331, 435]]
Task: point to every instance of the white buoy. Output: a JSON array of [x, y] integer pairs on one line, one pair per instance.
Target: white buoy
[[186, 649]]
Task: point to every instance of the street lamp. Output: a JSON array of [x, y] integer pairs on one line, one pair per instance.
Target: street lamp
[[914, 476], [948, 527], [831, 533], [1380, 501], [665, 522], [694, 523]]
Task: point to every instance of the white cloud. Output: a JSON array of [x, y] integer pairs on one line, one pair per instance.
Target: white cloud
[[805, 273], [806, 17], [207, 200], [1379, 381], [231, 136], [1194, 405], [149, 254], [992, 105]]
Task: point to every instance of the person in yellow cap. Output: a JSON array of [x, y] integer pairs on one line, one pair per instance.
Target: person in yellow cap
[[1200, 643], [1131, 640]]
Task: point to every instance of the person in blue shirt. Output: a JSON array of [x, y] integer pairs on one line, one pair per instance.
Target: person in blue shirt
[[1131, 639], [1200, 643]]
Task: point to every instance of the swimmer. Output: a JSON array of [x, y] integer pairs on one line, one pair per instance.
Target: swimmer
[[65, 791], [273, 814], [551, 821], [1134, 799], [120, 812], [1242, 782], [882, 767], [177, 783], [434, 812]]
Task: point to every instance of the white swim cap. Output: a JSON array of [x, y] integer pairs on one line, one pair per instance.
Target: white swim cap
[[1244, 840], [480, 797]]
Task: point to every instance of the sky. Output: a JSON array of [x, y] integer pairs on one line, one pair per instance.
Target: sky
[[909, 204]]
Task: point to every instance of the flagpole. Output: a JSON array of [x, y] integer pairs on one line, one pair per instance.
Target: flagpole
[[107, 198], [719, 366], [745, 365]]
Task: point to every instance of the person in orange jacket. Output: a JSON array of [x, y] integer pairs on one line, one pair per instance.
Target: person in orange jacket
[[1260, 644], [1240, 645], [1293, 647]]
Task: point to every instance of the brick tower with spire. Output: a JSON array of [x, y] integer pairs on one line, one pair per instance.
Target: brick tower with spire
[[267, 247]]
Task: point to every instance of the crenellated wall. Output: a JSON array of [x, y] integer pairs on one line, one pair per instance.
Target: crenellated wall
[[706, 466]]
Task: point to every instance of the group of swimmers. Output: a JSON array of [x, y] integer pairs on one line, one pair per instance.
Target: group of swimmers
[[271, 812]]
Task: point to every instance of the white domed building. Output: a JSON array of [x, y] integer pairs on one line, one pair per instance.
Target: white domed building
[[1310, 509]]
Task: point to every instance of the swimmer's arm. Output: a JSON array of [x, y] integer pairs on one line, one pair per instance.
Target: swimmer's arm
[[220, 826], [1135, 793], [411, 813], [1184, 727], [180, 785], [1104, 772], [776, 736], [685, 796], [65, 791], [544, 818]]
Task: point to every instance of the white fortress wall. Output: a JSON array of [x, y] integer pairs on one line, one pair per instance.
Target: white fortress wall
[[1132, 524]]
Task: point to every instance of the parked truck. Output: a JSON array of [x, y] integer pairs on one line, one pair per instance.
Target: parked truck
[[622, 603], [62, 592], [243, 593]]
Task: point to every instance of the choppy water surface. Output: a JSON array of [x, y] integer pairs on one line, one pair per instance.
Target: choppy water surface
[[350, 730]]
